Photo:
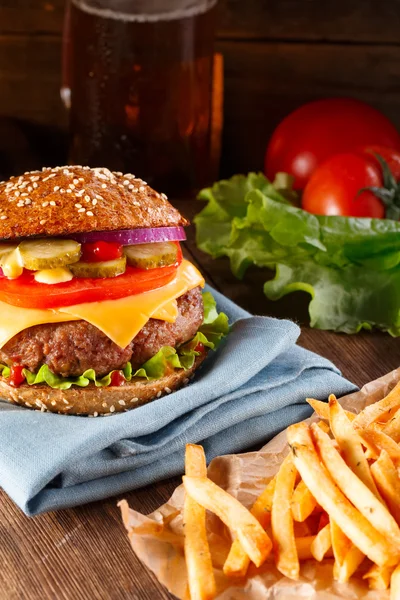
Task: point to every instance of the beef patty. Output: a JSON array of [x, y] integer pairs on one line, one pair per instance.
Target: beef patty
[[72, 347]]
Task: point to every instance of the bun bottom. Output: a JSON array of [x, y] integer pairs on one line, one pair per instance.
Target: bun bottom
[[95, 401]]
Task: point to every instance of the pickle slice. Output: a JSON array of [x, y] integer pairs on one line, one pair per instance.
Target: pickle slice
[[151, 256], [49, 253], [6, 249], [97, 270]]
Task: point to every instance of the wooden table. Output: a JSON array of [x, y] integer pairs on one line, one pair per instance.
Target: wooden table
[[83, 553]]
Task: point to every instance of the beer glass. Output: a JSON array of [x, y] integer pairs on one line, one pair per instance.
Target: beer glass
[[137, 76]]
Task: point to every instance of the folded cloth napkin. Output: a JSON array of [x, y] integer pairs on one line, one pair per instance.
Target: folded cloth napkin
[[247, 391]]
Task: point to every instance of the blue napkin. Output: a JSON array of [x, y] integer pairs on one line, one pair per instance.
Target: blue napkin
[[254, 386]]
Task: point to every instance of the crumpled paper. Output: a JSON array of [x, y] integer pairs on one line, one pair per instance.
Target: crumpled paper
[[157, 539]]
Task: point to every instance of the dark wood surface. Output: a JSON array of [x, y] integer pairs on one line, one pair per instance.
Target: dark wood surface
[[83, 553]]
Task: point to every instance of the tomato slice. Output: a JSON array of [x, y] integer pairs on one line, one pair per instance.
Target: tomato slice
[[28, 293]]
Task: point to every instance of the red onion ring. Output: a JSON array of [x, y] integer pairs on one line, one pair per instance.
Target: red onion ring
[[127, 237]]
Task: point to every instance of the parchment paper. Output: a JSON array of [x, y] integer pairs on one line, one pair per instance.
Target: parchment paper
[[157, 539]]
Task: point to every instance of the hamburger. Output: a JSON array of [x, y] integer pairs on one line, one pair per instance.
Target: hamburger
[[99, 311]]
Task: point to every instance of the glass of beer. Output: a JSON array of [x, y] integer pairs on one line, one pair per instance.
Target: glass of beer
[[137, 79]]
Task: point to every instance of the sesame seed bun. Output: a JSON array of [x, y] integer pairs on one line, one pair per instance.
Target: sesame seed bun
[[95, 401], [75, 199]]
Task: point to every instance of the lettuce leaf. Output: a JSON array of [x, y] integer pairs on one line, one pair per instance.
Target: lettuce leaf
[[349, 266], [214, 327]]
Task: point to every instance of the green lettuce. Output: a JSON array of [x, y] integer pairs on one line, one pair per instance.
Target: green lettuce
[[214, 327], [349, 266]]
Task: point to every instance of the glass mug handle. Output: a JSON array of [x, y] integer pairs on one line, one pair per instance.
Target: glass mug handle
[[65, 90]]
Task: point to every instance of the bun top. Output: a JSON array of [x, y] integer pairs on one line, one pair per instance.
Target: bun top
[[74, 199]]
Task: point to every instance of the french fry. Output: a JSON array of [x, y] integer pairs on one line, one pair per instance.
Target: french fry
[[379, 411], [350, 444], [250, 533], [302, 503], [322, 409], [340, 543], [322, 543], [286, 559], [197, 552], [237, 562], [303, 547], [353, 559], [378, 577], [392, 427], [387, 480], [378, 440], [347, 556], [395, 584], [357, 528], [261, 508], [355, 490]]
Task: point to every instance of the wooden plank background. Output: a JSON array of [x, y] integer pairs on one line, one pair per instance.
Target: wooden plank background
[[278, 54]]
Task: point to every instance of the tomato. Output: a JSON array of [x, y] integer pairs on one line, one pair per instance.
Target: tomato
[[117, 378], [389, 155], [320, 129], [334, 187], [28, 293], [100, 251], [16, 375]]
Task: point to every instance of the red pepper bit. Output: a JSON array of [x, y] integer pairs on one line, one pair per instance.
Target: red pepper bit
[[117, 378], [199, 348], [16, 375]]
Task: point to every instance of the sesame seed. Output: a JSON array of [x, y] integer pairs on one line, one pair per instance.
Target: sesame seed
[[21, 203], [62, 191], [81, 210], [141, 188], [122, 402], [56, 188], [35, 178], [167, 390], [30, 188], [126, 182], [164, 196], [69, 191], [144, 182], [131, 186], [112, 408], [28, 201], [87, 198], [95, 414], [158, 394], [53, 402], [104, 404], [66, 172], [3, 217], [94, 202], [44, 204], [104, 185], [81, 179], [71, 185], [76, 181], [34, 185], [78, 205], [89, 213], [52, 203], [43, 221], [24, 194]]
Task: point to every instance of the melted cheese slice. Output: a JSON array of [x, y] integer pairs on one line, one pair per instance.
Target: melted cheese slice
[[120, 320]]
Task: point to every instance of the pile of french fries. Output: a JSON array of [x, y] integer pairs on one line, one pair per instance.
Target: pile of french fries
[[336, 496]]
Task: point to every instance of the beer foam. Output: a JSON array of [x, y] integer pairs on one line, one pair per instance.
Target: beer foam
[[146, 17]]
